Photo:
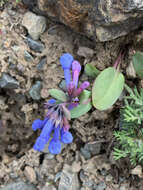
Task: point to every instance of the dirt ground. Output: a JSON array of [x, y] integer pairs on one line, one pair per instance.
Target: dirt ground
[[18, 109]]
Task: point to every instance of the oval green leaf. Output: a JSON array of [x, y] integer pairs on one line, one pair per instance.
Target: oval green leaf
[[138, 63], [84, 105], [91, 71], [107, 88], [58, 94]]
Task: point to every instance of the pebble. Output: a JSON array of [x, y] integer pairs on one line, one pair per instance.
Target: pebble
[[85, 153], [91, 149], [85, 52], [35, 25], [35, 45], [19, 186], [49, 187], [30, 174], [41, 64], [86, 182], [101, 186], [131, 73], [35, 90], [69, 180], [137, 171], [109, 178], [8, 82], [28, 57]]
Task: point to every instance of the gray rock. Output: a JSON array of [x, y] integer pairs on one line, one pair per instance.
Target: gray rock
[[85, 153], [41, 64], [19, 186], [101, 186], [105, 20], [28, 57], [35, 45], [35, 25], [85, 52], [35, 90], [6, 81], [49, 187], [86, 182], [91, 149], [69, 180]]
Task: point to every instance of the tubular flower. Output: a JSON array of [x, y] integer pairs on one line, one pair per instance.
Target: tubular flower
[[55, 127]]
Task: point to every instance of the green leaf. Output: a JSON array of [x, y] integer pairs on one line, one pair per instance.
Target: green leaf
[[84, 105], [58, 94], [91, 71], [107, 88], [138, 63]]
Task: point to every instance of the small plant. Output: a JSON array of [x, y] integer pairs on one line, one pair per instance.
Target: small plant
[[107, 86], [70, 102], [130, 136]]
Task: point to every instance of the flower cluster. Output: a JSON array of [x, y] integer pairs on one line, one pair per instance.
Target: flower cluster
[[55, 126]]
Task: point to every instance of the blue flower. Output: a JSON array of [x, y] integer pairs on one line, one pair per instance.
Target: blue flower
[[55, 144], [66, 137], [66, 62], [44, 136], [55, 127]]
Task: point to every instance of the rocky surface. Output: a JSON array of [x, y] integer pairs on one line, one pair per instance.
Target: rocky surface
[[106, 20], [19, 186], [35, 25], [87, 163]]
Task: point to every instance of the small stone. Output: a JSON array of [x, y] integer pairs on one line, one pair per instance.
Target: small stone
[[49, 187], [103, 172], [91, 149], [30, 174], [137, 171], [19, 186], [124, 186], [27, 56], [41, 64], [6, 81], [35, 91], [58, 176], [35, 25], [76, 166], [109, 178], [86, 182], [35, 45], [101, 186], [85, 153], [15, 48], [85, 52], [69, 180], [131, 73]]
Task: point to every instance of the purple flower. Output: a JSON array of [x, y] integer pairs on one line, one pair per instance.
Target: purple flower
[[76, 68], [55, 127]]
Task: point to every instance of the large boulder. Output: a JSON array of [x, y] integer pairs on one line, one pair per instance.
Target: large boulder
[[101, 19]]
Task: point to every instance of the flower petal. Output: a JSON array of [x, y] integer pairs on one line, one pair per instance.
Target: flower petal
[[66, 137], [66, 61], [51, 101], [47, 129], [37, 124], [56, 134], [39, 144], [76, 68], [55, 146]]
